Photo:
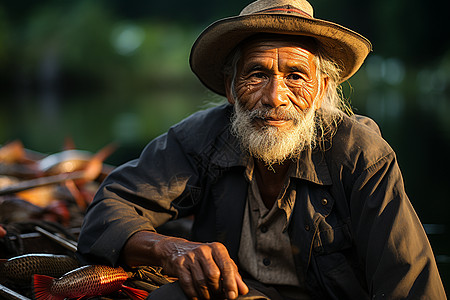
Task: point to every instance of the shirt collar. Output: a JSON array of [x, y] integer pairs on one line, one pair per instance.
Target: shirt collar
[[285, 201], [311, 164]]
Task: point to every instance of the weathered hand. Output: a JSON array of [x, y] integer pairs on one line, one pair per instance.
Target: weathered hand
[[203, 269]]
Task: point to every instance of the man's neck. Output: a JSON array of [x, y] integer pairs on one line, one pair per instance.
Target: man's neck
[[270, 180]]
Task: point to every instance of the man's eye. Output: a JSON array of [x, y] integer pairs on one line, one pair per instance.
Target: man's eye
[[294, 77], [259, 75]]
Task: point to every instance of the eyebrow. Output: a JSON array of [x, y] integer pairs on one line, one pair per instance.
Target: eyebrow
[[302, 69], [299, 67], [253, 66]]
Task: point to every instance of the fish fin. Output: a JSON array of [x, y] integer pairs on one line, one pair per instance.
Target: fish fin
[[41, 288], [135, 294]]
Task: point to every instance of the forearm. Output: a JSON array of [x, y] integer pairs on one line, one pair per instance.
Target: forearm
[[148, 248]]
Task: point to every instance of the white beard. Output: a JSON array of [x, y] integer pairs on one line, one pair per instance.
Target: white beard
[[271, 144]]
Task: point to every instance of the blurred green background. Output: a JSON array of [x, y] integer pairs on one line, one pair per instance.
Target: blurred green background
[[104, 71]]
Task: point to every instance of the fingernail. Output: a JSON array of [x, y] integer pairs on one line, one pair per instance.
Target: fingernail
[[231, 295]]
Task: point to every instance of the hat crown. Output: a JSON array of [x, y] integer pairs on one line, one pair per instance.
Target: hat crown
[[260, 6]]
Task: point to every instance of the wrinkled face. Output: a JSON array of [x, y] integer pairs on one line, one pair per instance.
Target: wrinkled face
[[278, 73], [276, 94]]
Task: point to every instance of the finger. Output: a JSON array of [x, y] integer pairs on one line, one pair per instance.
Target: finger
[[211, 270], [242, 287], [199, 281], [187, 284], [186, 280], [229, 281], [228, 270]]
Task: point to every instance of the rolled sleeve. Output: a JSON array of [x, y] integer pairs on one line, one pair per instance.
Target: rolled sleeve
[[137, 196]]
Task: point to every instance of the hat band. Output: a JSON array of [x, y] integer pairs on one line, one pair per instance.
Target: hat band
[[288, 10]]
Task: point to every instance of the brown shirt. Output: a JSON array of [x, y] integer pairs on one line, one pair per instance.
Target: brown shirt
[[355, 232], [265, 248]]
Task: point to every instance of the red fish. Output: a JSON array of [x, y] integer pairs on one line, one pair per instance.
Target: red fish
[[87, 281]]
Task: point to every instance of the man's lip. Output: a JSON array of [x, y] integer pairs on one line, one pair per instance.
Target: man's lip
[[272, 121]]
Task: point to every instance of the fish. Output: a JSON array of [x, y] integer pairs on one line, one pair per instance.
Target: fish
[[20, 269], [86, 281]]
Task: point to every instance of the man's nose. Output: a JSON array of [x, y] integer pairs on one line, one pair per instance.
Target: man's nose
[[276, 93]]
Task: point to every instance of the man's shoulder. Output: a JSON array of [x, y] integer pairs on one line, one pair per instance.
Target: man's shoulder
[[358, 138], [203, 125], [213, 115]]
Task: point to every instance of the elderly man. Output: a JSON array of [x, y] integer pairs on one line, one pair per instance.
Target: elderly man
[[293, 197]]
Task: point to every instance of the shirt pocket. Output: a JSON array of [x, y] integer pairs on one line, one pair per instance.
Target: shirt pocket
[[336, 261], [332, 239], [339, 279]]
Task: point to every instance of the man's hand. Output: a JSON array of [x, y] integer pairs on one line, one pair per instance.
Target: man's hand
[[204, 270]]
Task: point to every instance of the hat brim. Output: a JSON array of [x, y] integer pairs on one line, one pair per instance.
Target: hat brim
[[209, 52]]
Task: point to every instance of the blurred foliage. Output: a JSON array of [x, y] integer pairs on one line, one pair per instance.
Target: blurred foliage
[[80, 69], [102, 71]]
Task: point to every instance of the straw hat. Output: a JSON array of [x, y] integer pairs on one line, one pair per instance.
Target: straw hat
[[292, 17]]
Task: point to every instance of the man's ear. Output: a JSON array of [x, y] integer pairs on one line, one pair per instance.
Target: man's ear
[[228, 92], [322, 91]]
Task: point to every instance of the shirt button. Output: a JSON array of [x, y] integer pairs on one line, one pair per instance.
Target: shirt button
[[324, 201], [266, 261], [307, 228], [263, 229]]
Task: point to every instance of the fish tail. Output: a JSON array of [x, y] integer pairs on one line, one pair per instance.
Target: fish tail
[[135, 294], [41, 288]]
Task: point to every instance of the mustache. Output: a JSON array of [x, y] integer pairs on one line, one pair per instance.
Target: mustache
[[276, 114]]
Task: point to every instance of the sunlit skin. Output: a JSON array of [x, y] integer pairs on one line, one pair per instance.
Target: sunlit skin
[[278, 73]]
